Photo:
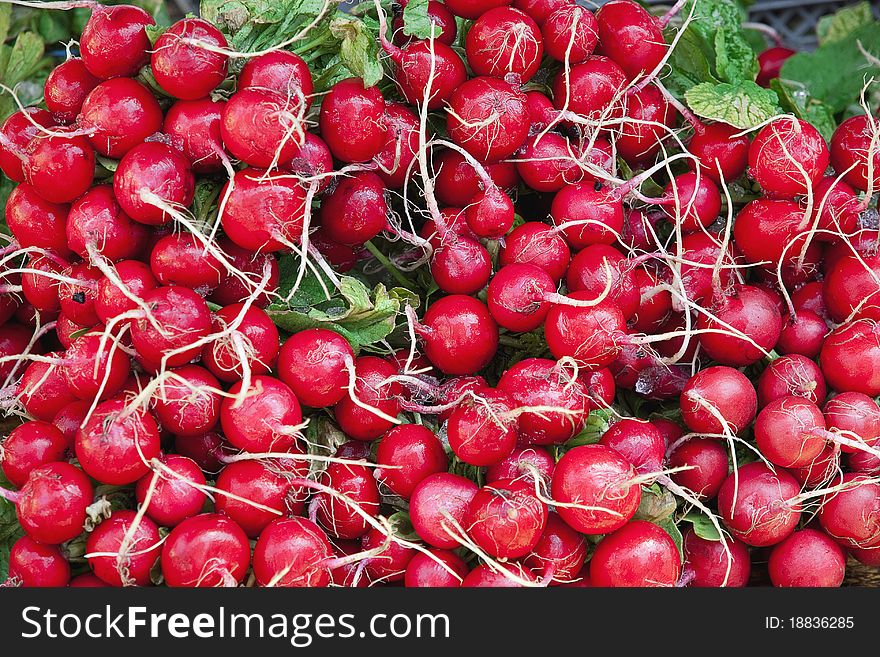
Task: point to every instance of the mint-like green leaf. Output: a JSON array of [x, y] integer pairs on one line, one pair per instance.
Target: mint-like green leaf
[[359, 49], [416, 21], [743, 105], [703, 527], [841, 23]]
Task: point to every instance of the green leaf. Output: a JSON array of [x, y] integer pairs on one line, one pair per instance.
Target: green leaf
[[656, 506], [691, 63], [703, 527], [836, 72], [24, 58], [10, 530], [669, 526], [323, 438], [798, 102], [743, 105], [359, 49], [594, 428], [5, 19], [841, 23], [253, 25], [416, 21], [402, 527], [53, 26], [719, 24]]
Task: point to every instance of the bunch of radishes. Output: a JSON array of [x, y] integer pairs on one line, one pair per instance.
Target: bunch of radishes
[[164, 429]]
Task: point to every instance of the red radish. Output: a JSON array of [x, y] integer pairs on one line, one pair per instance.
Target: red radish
[[60, 168], [802, 334], [718, 399], [849, 356], [770, 62], [40, 290], [253, 343], [854, 414], [351, 121], [439, 502], [76, 296], [787, 157], [863, 462], [455, 227], [639, 442], [312, 159], [851, 287], [570, 34], [14, 340], [28, 446], [18, 131], [598, 477], [117, 443], [312, 363], [457, 181], [51, 506], [459, 335], [206, 550], [184, 319], [519, 464], [638, 554], [540, 10], [424, 571], [265, 483], [589, 335], [600, 387], [750, 312], [807, 558], [504, 41], [339, 515], [371, 388], [443, 26], [707, 459], [757, 505], [505, 519], [534, 243], [188, 403], [549, 163], [413, 452], [278, 70], [292, 552], [262, 127], [231, 289], [136, 549], [851, 146], [789, 432], [791, 375], [149, 173], [851, 515], [91, 373], [630, 36], [401, 145], [120, 114], [69, 419], [695, 199], [205, 450], [175, 495], [499, 576], [824, 469], [181, 259], [32, 564], [481, 431], [33, 221], [96, 220], [765, 226], [87, 580], [543, 383], [356, 211], [264, 212], [592, 89], [599, 268], [542, 113], [390, 564], [490, 214], [267, 419], [181, 64], [702, 249], [43, 390], [712, 566], [836, 205], [587, 213], [114, 42], [655, 305], [642, 136], [421, 64], [454, 390], [722, 155], [636, 234], [194, 125], [483, 99], [471, 9], [66, 88], [559, 554], [520, 296], [110, 301], [461, 266]]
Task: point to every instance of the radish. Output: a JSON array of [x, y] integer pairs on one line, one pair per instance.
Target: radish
[[206, 550], [600, 388], [863, 462], [32, 564], [837, 207], [459, 335], [488, 117], [293, 552], [443, 24], [51, 506], [424, 571], [519, 463], [206, 450], [504, 41], [455, 389], [750, 311], [76, 294], [389, 564], [41, 282], [802, 334], [570, 34], [96, 224], [461, 266], [114, 42], [438, 503], [472, 9], [704, 249], [110, 301], [119, 114], [540, 10], [851, 515], [721, 153], [457, 182], [371, 387], [849, 356], [505, 519], [787, 157], [135, 543], [194, 126], [422, 64], [43, 390], [313, 364], [339, 515], [590, 335], [91, 374], [66, 88], [770, 62], [764, 227], [312, 159], [708, 463], [181, 64], [252, 347], [356, 210], [520, 296], [655, 304], [791, 375], [481, 431], [711, 565], [232, 289], [117, 443], [851, 146], [267, 418], [35, 222], [550, 162], [29, 446], [824, 469], [639, 442], [638, 554], [559, 554], [534, 243], [642, 136], [262, 127], [851, 288], [183, 319], [351, 121], [500, 576], [69, 419], [188, 403], [587, 213], [17, 132], [175, 495], [59, 167], [595, 489], [698, 197], [759, 506], [87, 580], [600, 267], [413, 453], [717, 400], [153, 173], [281, 71], [789, 431], [855, 414], [179, 259], [807, 558], [630, 36], [592, 89], [400, 149]]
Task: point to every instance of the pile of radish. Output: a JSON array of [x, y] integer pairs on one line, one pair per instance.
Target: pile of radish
[[628, 345]]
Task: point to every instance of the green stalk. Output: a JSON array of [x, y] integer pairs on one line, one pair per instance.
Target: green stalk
[[389, 267]]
